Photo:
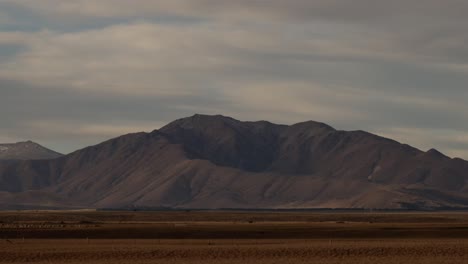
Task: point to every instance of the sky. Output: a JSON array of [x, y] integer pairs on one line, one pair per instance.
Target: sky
[[76, 72]]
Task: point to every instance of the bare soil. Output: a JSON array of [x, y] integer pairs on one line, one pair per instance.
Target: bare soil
[[232, 237]]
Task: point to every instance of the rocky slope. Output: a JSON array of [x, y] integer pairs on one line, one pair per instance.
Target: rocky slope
[[219, 162]]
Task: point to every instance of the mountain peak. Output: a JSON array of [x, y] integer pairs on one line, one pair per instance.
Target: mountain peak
[[435, 153], [27, 142], [199, 120], [25, 150], [314, 125]]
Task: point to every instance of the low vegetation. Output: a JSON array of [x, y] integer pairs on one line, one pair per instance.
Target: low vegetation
[[232, 237]]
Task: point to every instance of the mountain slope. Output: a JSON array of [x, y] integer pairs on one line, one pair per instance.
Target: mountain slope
[[26, 151], [219, 162]]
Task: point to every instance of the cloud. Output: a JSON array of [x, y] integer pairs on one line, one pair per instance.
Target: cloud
[[289, 101], [358, 10], [455, 142], [85, 70], [154, 59], [61, 127], [9, 139], [4, 18], [362, 29], [69, 119], [160, 59]]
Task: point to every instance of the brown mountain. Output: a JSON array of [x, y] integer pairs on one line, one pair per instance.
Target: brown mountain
[[219, 162], [26, 151]]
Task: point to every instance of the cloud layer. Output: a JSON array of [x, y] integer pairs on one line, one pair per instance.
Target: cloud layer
[[73, 73]]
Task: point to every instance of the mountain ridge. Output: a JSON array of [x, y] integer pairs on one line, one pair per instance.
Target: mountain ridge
[[219, 162]]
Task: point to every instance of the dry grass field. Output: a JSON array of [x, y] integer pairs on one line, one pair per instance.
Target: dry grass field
[[233, 237]]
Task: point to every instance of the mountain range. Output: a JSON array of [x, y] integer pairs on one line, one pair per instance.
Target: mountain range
[[219, 162]]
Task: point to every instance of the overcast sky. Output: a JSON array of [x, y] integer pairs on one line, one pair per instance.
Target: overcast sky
[[76, 72]]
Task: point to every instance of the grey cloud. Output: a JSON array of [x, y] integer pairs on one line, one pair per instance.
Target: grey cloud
[[36, 103], [430, 28], [24, 107], [398, 68], [334, 9]]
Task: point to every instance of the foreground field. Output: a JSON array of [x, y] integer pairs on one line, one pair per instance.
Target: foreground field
[[232, 237], [235, 251]]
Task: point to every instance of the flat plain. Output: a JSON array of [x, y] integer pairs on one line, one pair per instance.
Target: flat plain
[[233, 237]]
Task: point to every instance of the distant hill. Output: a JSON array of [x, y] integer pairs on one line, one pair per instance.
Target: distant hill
[[26, 151], [219, 162]]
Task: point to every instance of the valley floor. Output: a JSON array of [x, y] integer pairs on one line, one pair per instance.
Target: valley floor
[[232, 237], [236, 251]]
